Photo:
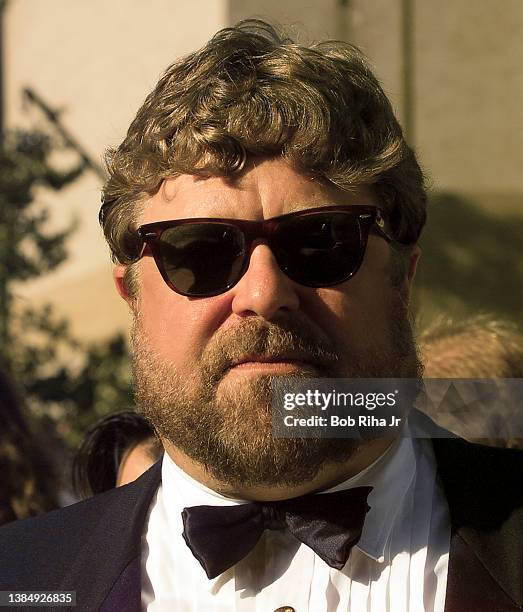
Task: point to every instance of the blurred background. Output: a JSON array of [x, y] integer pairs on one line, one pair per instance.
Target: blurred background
[[73, 74]]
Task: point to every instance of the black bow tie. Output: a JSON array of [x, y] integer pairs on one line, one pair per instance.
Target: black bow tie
[[329, 523]]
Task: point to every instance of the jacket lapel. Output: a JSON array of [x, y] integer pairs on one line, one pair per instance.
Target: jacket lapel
[[483, 491], [112, 581], [470, 586], [125, 595]]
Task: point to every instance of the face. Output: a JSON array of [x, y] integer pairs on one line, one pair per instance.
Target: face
[[203, 366], [134, 463]]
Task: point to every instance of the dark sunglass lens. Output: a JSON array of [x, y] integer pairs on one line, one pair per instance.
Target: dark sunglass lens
[[320, 249], [202, 258]]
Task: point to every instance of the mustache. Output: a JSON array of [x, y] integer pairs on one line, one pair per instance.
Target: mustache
[[268, 340]]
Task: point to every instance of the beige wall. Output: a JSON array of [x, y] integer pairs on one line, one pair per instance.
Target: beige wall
[[469, 87], [309, 19], [96, 60]]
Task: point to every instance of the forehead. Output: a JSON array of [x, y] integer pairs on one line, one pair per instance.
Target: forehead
[[267, 189]]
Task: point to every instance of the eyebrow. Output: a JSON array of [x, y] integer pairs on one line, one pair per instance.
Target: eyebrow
[[321, 204]]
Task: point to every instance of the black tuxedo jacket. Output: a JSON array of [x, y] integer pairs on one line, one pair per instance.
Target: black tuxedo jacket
[[94, 547]]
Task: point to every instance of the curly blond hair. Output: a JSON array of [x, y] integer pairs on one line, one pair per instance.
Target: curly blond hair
[[251, 92]]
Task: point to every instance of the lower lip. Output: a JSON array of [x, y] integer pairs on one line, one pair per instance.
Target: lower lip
[[276, 367]]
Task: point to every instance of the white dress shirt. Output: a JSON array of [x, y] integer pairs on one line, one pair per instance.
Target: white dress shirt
[[400, 563]]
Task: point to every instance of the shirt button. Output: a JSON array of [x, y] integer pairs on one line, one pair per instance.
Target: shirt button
[[284, 609]]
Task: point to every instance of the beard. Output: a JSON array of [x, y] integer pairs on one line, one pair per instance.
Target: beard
[[227, 428]]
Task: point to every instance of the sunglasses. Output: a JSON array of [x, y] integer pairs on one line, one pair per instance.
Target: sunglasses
[[317, 247]]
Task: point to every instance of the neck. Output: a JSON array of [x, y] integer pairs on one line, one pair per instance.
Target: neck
[[328, 476]]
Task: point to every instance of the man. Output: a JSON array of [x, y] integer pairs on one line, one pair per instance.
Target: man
[[263, 212]]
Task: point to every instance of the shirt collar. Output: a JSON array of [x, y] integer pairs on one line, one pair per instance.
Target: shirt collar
[[182, 491], [390, 477]]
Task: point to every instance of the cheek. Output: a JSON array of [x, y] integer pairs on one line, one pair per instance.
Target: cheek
[[177, 327], [356, 314], [353, 320]]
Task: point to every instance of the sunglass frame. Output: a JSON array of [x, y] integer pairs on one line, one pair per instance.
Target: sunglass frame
[[369, 218]]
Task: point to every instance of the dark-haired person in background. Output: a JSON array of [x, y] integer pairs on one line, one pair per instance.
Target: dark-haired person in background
[[115, 451], [27, 484], [264, 211]]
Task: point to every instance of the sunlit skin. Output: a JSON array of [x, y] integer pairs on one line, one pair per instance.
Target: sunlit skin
[[135, 462], [352, 314]]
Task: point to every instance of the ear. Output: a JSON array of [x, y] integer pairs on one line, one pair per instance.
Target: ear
[[118, 277], [413, 264], [411, 270]]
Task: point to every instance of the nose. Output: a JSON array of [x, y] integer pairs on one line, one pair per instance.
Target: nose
[[264, 289]]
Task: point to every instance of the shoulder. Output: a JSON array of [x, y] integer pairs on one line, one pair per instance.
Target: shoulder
[[469, 469], [483, 488], [492, 466], [49, 545], [482, 483]]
